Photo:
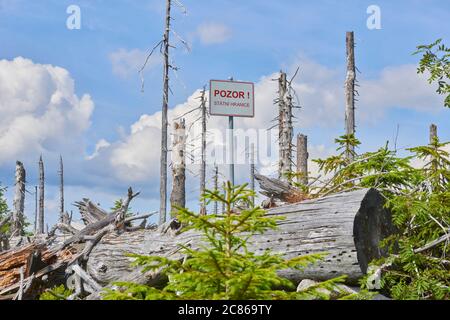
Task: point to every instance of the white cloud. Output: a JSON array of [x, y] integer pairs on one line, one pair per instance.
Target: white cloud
[[101, 144], [40, 111], [213, 33], [128, 62], [400, 87]]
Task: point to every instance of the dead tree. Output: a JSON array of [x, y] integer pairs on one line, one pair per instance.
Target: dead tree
[[302, 159], [216, 187], [433, 133], [61, 189], [178, 196], [252, 171], [285, 128], [350, 83], [19, 201], [35, 209], [203, 164], [41, 223], [165, 123]]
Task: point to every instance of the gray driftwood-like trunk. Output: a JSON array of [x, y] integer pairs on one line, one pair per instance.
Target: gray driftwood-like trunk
[[252, 170], [178, 195], [35, 209], [61, 189], [302, 159], [285, 128], [164, 118], [347, 226], [350, 83], [19, 200], [41, 223]]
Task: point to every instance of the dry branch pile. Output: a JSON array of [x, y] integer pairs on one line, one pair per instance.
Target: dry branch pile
[[60, 258]]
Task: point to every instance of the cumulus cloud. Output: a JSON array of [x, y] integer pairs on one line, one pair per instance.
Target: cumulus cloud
[[40, 110], [128, 62], [213, 33]]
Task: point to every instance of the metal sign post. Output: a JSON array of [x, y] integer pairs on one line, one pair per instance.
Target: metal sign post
[[231, 129]]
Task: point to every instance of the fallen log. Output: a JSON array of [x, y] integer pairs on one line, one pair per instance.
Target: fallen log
[[348, 226]]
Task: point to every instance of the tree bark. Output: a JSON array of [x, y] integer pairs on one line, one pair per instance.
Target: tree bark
[[347, 226], [61, 189], [41, 222], [252, 170], [164, 119], [350, 90], [203, 164], [178, 196], [285, 129], [302, 159], [19, 201]]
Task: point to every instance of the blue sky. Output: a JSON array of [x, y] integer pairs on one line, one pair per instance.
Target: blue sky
[[249, 40]]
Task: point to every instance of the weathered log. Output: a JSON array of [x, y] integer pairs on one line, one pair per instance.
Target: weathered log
[[347, 226], [277, 189]]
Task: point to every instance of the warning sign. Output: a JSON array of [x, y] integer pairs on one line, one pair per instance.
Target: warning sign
[[232, 98]]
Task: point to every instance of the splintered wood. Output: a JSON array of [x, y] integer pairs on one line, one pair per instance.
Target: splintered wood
[[13, 260]]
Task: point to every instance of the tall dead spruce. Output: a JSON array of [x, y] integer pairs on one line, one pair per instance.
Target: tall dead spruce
[[41, 224], [61, 189], [164, 124], [285, 125], [164, 46], [203, 151], [350, 83]]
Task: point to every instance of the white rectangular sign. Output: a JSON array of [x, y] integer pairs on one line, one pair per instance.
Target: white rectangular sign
[[232, 98]]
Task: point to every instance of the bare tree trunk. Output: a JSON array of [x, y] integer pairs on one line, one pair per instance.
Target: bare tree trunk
[[35, 209], [347, 227], [350, 91], [164, 125], [203, 165], [41, 225], [302, 159], [178, 196], [285, 129], [433, 133], [61, 189], [19, 200]]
